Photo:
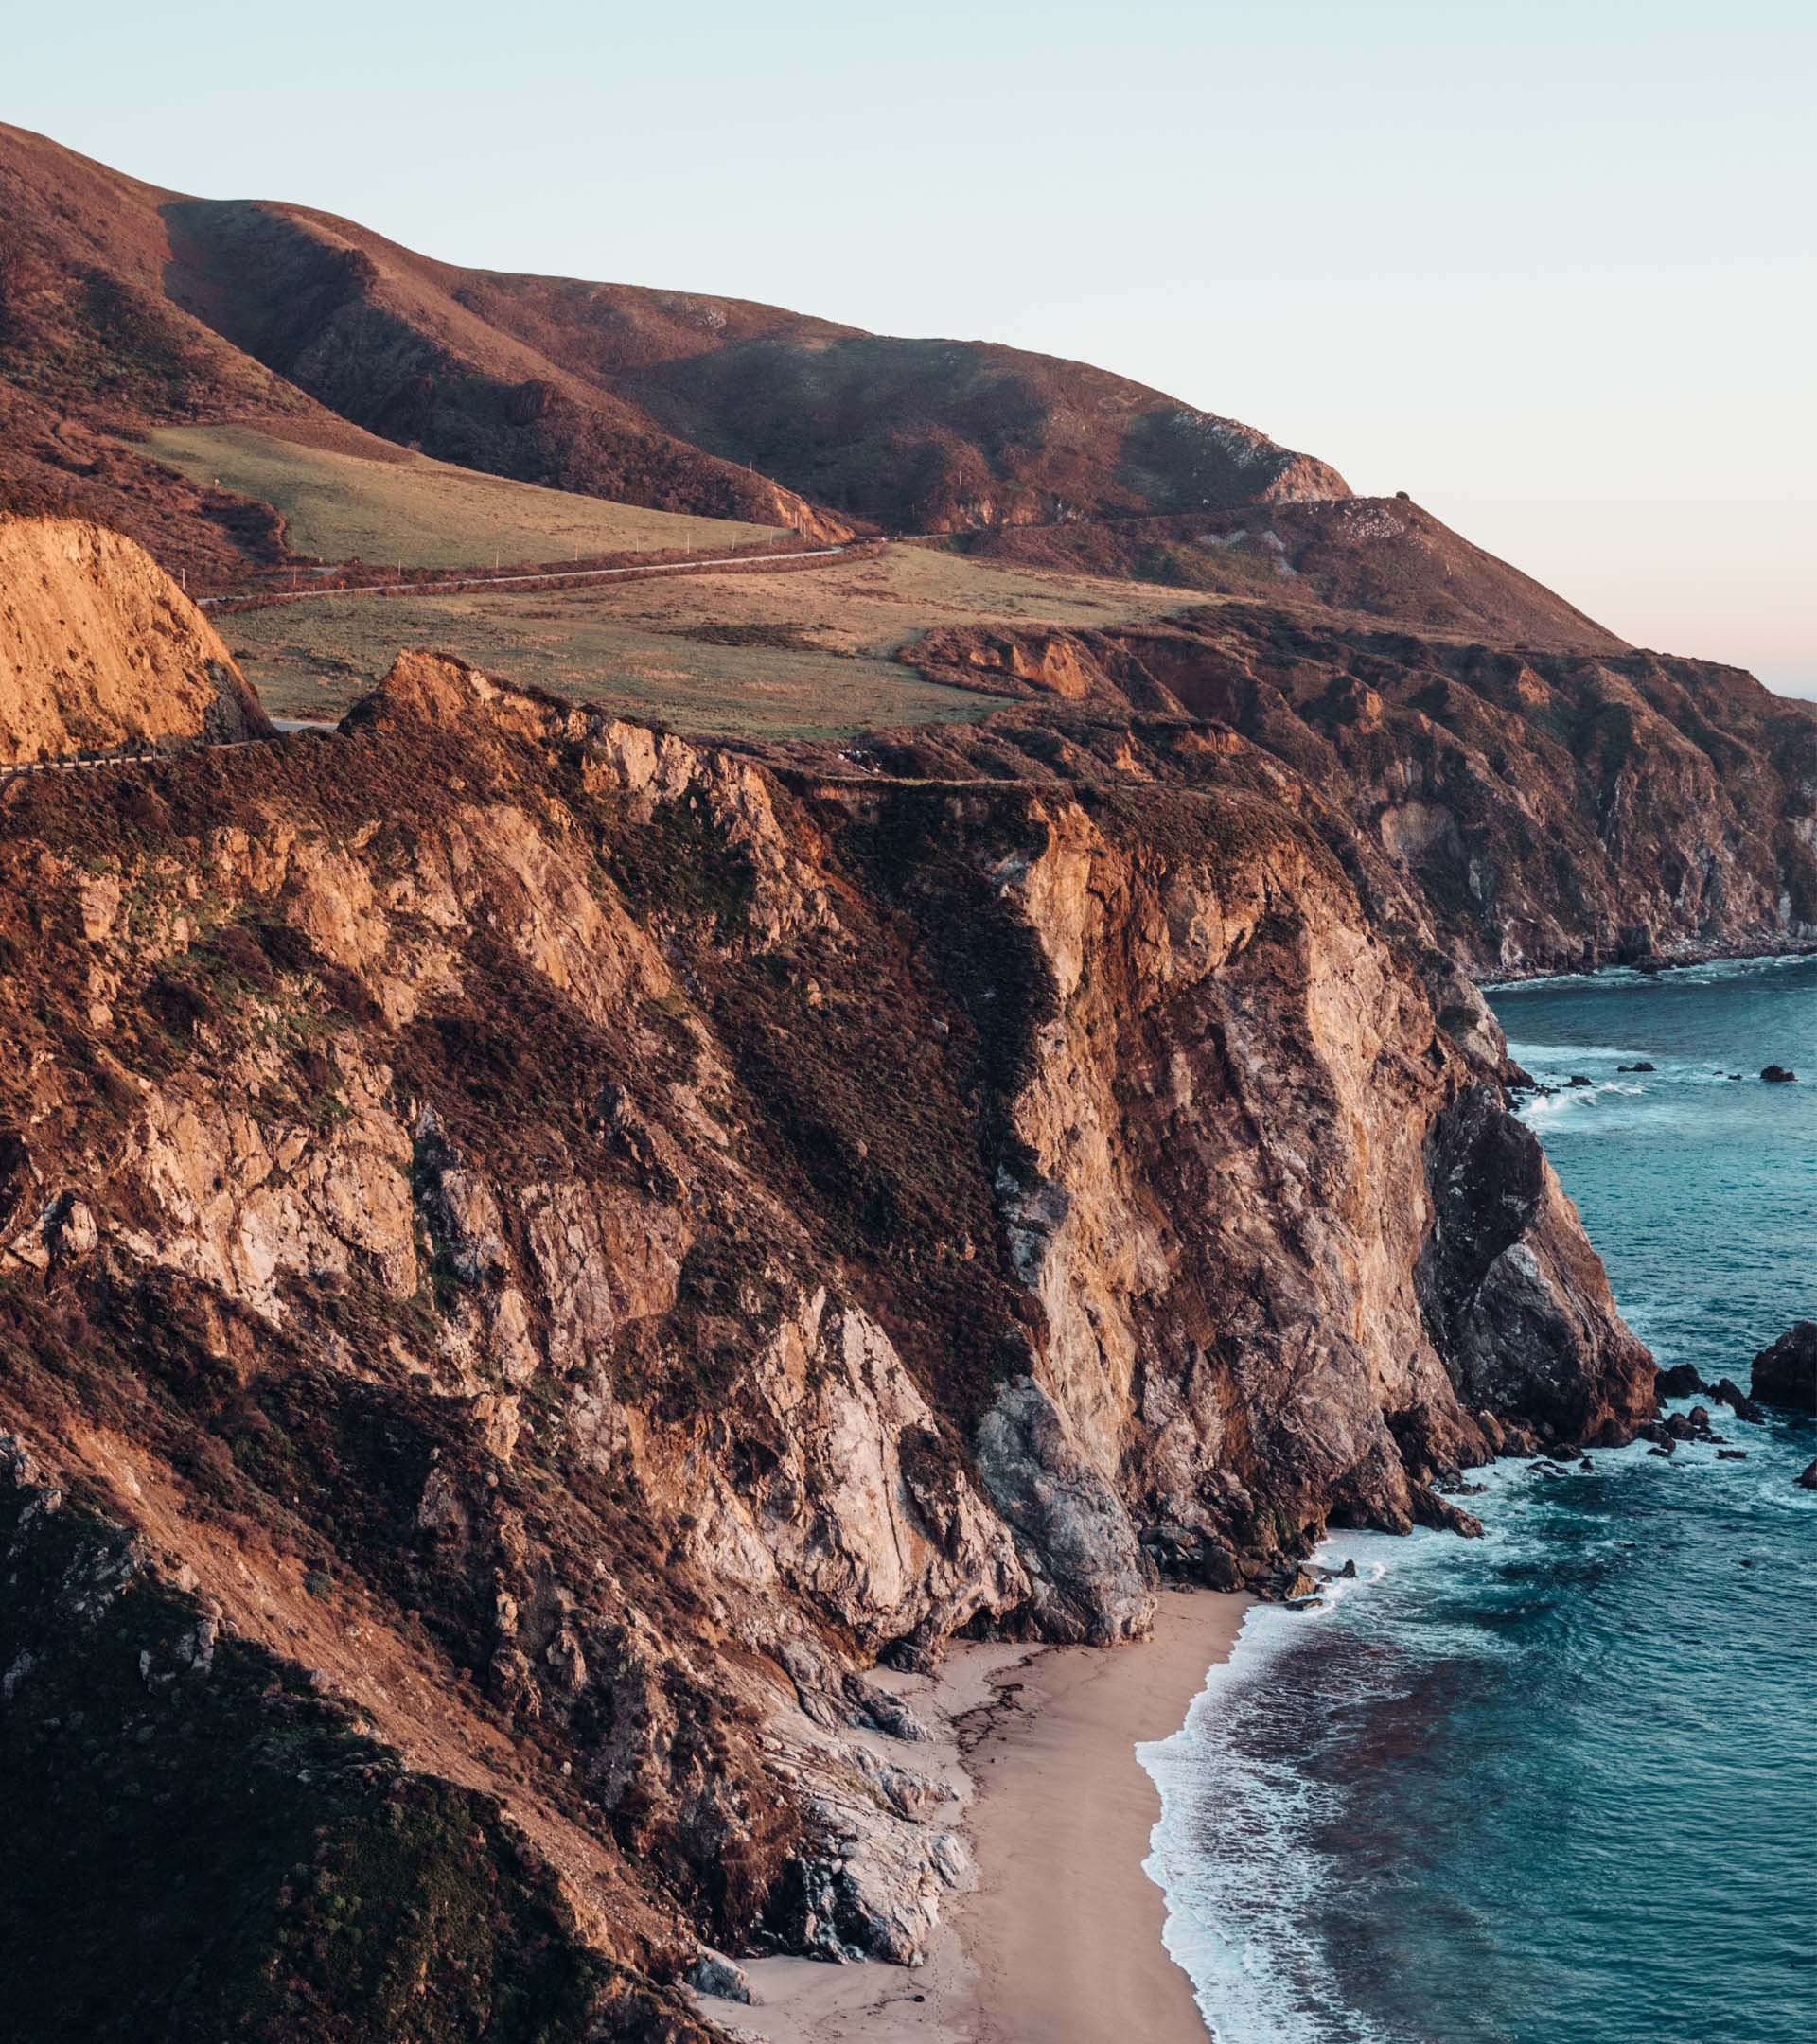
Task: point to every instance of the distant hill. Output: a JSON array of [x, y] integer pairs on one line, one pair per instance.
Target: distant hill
[[123, 304], [125, 307]]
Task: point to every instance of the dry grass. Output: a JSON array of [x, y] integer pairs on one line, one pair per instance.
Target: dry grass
[[402, 510], [798, 653]]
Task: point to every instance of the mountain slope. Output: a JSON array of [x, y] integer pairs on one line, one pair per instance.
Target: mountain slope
[[123, 307], [120, 302]]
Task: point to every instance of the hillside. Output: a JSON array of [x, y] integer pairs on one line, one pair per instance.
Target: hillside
[[346, 496], [102, 652], [1371, 556], [125, 304], [125, 310]]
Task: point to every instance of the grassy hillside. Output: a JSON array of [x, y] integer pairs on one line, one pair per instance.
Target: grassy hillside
[[387, 505], [806, 651]]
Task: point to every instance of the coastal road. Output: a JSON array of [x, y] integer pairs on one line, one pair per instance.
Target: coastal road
[[455, 585], [283, 727]]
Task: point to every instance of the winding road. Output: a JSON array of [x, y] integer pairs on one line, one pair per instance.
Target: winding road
[[457, 584]]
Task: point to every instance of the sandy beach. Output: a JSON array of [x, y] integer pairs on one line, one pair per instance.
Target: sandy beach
[[1060, 1941]]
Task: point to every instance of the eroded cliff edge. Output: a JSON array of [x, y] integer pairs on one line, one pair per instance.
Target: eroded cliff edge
[[102, 652], [587, 1242]]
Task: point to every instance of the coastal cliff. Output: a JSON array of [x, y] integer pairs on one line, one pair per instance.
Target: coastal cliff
[[566, 1248], [1554, 811]]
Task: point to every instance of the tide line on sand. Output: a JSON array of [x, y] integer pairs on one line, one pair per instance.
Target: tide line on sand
[[1060, 1940]]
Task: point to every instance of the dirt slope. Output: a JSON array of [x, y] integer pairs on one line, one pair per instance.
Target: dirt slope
[[102, 652]]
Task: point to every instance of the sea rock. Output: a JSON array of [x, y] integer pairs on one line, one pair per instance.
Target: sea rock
[[1731, 1394], [1431, 1509], [1785, 1373], [1778, 1075], [1731, 1455], [1644, 1065], [1682, 1380], [1578, 1078], [1806, 1480], [1693, 1425]]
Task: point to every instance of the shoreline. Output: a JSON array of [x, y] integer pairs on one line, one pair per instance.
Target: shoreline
[[1059, 1940], [1509, 982]]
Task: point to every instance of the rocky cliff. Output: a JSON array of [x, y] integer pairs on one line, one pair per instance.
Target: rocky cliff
[[1554, 811], [555, 1252], [102, 652]]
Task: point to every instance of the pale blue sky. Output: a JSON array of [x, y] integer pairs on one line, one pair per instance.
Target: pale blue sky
[[1546, 266]]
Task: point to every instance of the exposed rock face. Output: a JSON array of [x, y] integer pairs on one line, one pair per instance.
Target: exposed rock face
[[102, 652], [1785, 1373], [638, 1235]]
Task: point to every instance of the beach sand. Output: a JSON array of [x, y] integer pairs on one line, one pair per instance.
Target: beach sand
[[1060, 1941]]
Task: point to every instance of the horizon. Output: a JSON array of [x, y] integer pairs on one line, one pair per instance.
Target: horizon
[[1604, 451]]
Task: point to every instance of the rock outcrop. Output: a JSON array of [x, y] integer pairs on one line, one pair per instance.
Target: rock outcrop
[[592, 1241], [1785, 1372], [102, 652]]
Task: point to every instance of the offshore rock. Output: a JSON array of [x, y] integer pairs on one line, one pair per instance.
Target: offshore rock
[[1785, 1372]]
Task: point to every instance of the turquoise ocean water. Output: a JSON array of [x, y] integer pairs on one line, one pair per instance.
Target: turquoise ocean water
[[1558, 1786]]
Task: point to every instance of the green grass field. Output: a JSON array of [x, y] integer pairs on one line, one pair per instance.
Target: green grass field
[[404, 510], [802, 652]]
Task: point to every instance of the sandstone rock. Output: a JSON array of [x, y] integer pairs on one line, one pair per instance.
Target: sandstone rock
[[100, 651], [1785, 1372]]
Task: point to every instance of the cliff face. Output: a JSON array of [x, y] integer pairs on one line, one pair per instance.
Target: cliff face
[[100, 651], [589, 1243], [1553, 810]]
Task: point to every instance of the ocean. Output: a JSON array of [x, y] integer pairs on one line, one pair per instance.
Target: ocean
[[1558, 1786]]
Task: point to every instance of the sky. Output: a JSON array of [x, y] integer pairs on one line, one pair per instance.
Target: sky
[[1547, 267]]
